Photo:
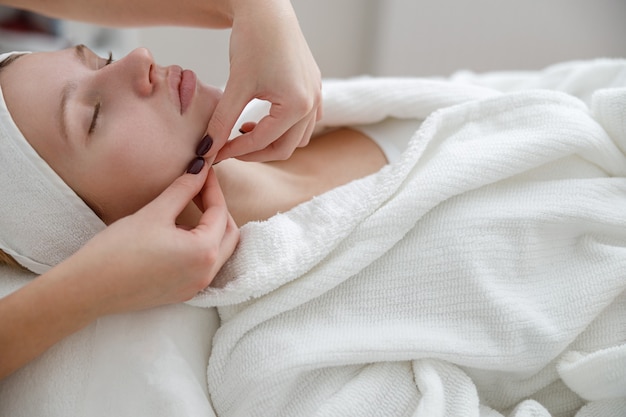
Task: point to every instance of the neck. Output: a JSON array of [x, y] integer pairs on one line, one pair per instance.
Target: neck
[[256, 191]]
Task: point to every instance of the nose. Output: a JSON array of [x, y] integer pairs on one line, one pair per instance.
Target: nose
[[138, 64]]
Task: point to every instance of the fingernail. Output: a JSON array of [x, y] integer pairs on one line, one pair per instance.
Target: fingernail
[[195, 166], [204, 146]]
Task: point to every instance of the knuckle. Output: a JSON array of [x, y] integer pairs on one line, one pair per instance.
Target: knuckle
[[205, 256], [210, 256], [303, 101]]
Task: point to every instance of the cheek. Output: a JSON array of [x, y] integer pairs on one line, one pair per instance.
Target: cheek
[[150, 164], [131, 170], [149, 143]]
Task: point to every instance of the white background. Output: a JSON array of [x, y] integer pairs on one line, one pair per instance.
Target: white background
[[420, 37]]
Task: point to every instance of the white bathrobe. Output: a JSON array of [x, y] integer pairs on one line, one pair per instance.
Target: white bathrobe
[[481, 274]]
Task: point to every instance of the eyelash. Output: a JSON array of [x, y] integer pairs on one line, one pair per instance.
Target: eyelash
[[96, 109], [109, 59], [94, 119]]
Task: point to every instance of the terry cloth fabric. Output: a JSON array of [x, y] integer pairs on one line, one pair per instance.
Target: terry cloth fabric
[[483, 273], [42, 220]]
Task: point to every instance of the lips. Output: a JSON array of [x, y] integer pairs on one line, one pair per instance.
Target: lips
[[182, 85], [186, 89]]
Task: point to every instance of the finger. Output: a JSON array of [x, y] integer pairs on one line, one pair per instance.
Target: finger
[[280, 120], [171, 202], [226, 247], [320, 112], [215, 215], [225, 115], [280, 149], [212, 192], [229, 242], [247, 127], [306, 138], [216, 233]]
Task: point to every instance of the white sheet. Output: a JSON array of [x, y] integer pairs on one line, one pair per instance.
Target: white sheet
[[481, 274], [146, 364]]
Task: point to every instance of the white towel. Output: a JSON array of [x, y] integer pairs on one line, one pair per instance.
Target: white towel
[[453, 282]]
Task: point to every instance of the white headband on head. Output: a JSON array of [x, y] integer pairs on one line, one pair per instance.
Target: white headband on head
[[42, 220]]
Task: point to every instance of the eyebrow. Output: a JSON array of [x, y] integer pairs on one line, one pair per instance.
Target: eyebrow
[[79, 50], [10, 60], [68, 89]]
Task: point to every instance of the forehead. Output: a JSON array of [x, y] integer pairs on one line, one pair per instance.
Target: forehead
[[32, 86], [23, 69]]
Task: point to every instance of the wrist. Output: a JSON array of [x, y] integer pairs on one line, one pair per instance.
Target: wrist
[[256, 9], [69, 284]]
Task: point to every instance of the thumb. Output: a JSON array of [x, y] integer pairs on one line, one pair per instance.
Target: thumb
[[226, 113]]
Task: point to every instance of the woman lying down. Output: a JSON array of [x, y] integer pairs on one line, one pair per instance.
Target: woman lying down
[[119, 132], [480, 272]]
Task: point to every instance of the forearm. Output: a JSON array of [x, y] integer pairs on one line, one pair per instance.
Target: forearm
[[199, 13], [39, 315], [141, 261]]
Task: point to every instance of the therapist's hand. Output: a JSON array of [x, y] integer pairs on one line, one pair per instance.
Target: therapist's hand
[[146, 260], [269, 60], [141, 261]]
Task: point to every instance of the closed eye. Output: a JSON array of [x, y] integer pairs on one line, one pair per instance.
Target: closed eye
[[94, 119], [96, 109]]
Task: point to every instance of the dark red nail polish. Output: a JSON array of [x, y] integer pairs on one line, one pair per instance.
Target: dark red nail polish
[[242, 131], [204, 146], [195, 166]]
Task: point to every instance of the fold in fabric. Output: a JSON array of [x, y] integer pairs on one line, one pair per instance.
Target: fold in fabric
[[453, 281]]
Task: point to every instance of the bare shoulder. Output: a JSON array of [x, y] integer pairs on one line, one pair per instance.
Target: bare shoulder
[[344, 152], [257, 191]]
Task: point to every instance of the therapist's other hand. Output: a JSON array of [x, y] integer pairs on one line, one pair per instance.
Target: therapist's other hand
[[269, 60], [146, 260]]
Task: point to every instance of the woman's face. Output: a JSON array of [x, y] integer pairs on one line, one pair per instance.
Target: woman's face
[[117, 134]]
